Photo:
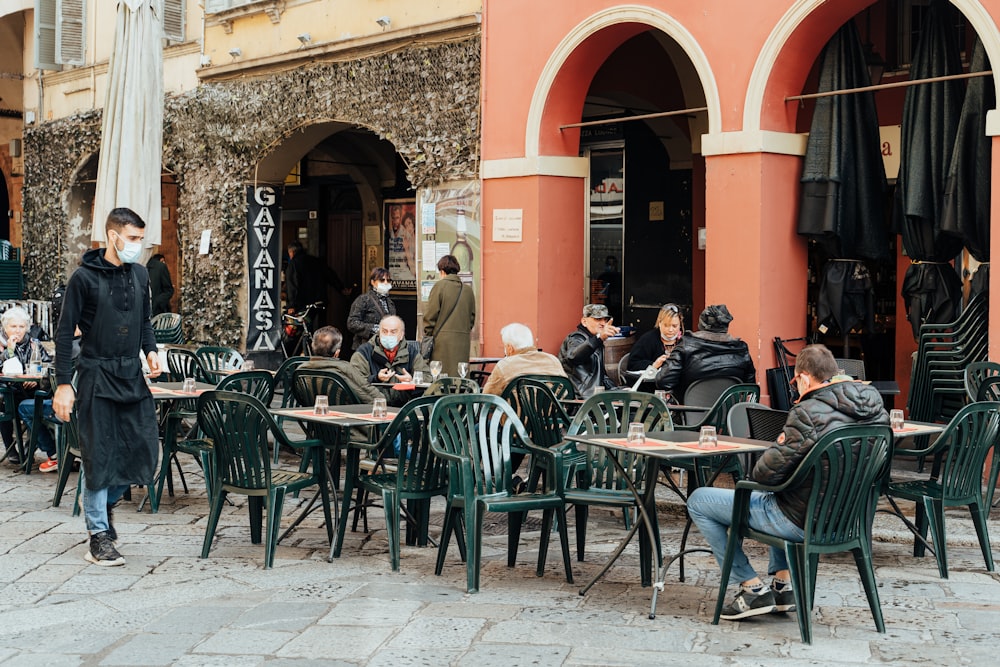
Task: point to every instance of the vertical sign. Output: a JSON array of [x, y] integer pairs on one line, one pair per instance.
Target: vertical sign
[[264, 264]]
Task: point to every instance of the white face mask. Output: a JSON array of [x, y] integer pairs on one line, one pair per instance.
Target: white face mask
[[383, 288], [131, 251]]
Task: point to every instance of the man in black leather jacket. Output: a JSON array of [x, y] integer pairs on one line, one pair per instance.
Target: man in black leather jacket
[[707, 353], [582, 353], [826, 402]]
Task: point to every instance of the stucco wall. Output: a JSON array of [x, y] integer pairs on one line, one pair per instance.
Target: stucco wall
[[424, 99]]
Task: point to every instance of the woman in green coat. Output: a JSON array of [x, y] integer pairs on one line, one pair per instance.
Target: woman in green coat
[[449, 317]]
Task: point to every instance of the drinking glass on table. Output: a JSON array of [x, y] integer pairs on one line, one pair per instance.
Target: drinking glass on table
[[708, 438], [896, 419], [636, 434], [435, 369], [247, 365], [379, 408], [418, 377], [188, 386], [322, 406], [463, 369], [661, 394]]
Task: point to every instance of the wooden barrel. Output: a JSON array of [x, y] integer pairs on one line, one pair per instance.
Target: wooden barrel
[[614, 349]]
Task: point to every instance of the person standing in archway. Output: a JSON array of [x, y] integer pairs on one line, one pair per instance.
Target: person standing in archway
[[161, 287], [306, 278]]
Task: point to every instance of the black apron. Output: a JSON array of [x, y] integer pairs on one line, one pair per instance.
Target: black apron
[[119, 436]]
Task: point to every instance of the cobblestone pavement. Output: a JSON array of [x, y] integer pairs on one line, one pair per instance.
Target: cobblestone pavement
[[166, 606]]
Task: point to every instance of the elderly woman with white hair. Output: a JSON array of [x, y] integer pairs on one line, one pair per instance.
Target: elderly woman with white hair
[[15, 353]]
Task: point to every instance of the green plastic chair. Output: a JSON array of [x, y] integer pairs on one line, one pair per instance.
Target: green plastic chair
[[238, 426], [975, 374], [546, 422], [599, 481], [259, 384], [418, 476], [68, 450], [560, 386], [449, 385], [705, 469], [167, 328], [182, 363], [283, 388], [846, 467], [214, 358], [959, 456], [474, 434], [307, 384]]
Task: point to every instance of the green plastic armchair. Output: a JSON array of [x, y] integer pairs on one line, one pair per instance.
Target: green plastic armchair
[[307, 384], [418, 476], [546, 422], [600, 482], [215, 358], [449, 385], [259, 384], [959, 456], [846, 467], [474, 434], [238, 426]]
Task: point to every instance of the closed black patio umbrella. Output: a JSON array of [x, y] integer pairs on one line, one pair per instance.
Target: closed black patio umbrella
[[931, 288], [843, 185], [966, 208]]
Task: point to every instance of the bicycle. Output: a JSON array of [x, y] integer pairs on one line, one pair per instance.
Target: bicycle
[[297, 329]]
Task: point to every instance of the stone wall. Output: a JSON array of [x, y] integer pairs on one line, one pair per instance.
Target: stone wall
[[422, 98]]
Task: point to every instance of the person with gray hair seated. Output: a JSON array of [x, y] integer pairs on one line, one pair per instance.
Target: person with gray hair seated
[[389, 357], [709, 352], [326, 348], [521, 357]]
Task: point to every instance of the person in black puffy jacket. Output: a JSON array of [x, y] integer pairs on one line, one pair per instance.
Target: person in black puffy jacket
[[707, 353], [827, 401]]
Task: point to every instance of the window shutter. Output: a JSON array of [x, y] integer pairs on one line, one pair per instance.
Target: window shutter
[[213, 6], [173, 20], [45, 35], [70, 20]]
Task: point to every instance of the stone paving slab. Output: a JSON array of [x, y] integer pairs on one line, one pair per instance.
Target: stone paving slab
[[168, 606]]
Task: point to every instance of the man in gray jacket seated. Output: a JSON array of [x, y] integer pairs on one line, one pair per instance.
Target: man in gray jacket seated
[[826, 402], [326, 357]]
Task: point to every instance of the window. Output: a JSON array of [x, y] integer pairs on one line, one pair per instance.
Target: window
[[59, 33], [910, 22], [213, 6], [173, 20]]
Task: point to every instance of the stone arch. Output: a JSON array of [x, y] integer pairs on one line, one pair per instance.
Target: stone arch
[[603, 31], [780, 68]]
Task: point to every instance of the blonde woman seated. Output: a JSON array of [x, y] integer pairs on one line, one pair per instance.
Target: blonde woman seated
[[654, 347]]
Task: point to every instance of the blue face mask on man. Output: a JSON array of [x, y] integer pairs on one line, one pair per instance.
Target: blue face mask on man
[[131, 251], [389, 342]]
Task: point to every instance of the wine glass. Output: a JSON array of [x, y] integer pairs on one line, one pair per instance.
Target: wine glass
[[463, 368], [435, 369]]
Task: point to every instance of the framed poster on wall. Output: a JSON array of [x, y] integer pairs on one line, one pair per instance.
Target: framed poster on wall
[[400, 219]]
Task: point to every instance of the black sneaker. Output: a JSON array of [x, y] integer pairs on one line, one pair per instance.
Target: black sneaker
[[784, 600], [747, 603], [102, 551], [13, 457], [112, 533]]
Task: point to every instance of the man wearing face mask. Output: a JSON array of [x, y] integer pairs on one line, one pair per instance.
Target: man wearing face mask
[[389, 357], [108, 299]]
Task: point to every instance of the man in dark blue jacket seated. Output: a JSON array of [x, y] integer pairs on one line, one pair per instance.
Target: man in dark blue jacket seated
[[826, 402]]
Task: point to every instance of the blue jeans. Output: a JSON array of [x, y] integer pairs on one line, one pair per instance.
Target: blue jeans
[[96, 503], [26, 409], [711, 510]]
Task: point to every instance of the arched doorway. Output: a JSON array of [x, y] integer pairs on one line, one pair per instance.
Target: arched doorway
[[335, 179]]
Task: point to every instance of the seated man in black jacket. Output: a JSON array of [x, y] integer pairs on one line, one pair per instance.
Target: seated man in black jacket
[[709, 352], [826, 403], [582, 353]]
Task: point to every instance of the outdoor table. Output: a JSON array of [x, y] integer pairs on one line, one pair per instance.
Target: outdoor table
[[345, 416], [660, 446]]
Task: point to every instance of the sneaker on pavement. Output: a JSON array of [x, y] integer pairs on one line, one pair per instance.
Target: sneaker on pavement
[[747, 603], [49, 465], [102, 551], [784, 600], [13, 457]]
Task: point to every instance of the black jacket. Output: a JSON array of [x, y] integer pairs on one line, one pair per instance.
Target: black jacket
[[647, 349], [582, 357], [705, 355], [161, 288], [366, 313], [829, 406]]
